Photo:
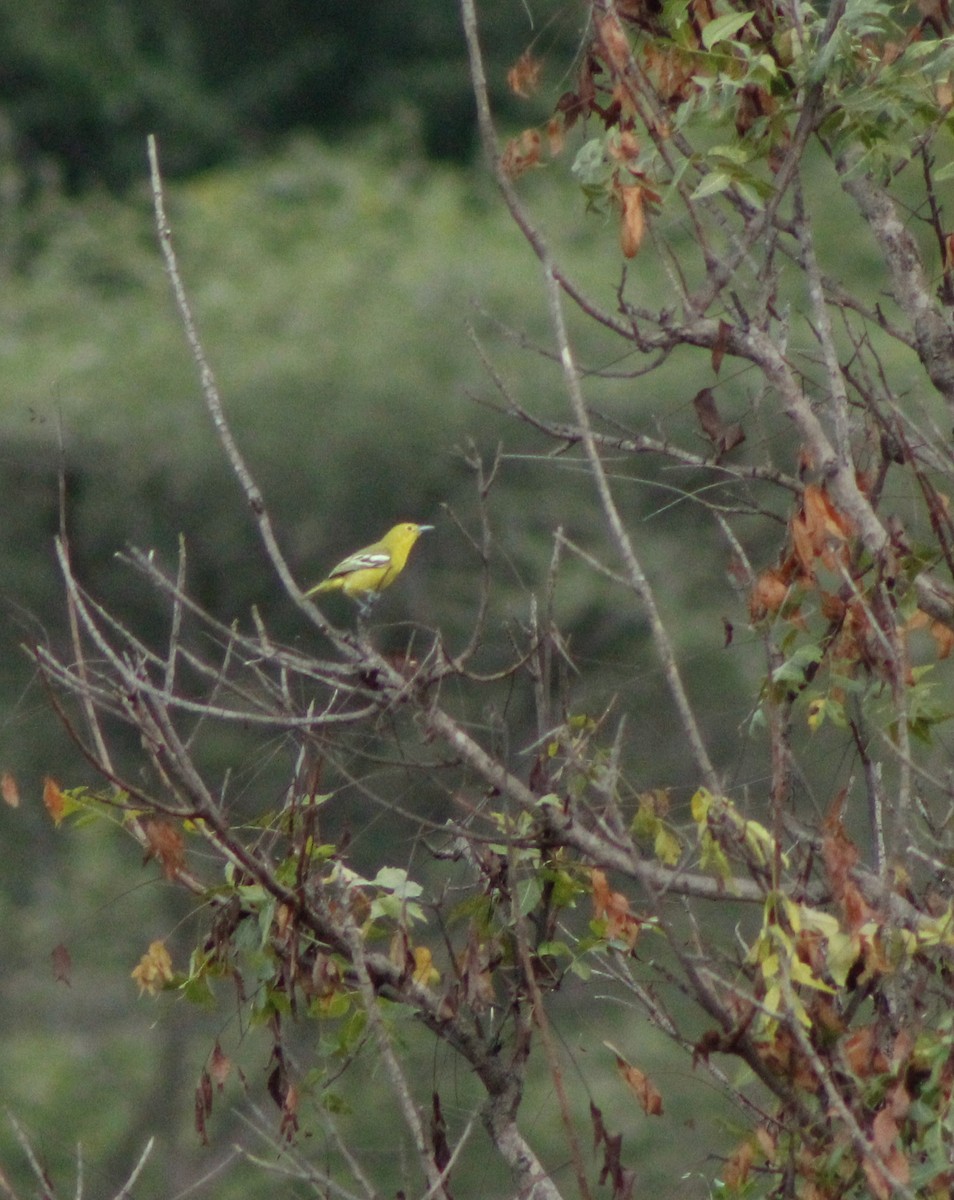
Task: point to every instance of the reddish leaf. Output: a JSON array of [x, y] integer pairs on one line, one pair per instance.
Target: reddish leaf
[[201, 1112], [289, 1122], [719, 345], [62, 964], [623, 1180], [723, 437], [442, 1150], [570, 106], [863, 1054], [220, 1066]]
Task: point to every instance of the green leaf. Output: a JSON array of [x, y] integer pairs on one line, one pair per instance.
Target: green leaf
[[723, 28], [714, 182], [793, 669], [394, 879]]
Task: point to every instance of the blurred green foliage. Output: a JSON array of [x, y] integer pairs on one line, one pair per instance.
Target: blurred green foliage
[[81, 87]]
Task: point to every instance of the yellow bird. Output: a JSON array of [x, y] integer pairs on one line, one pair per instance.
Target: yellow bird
[[366, 573]]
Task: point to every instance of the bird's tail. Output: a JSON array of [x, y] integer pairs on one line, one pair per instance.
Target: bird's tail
[[326, 585]]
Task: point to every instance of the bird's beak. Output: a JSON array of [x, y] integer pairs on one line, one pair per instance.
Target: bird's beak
[[424, 528]]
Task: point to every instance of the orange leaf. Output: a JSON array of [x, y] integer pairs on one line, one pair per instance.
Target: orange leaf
[[736, 1170], [821, 514], [862, 1053], [858, 911], [614, 43], [556, 135], [613, 907], [523, 77], [164, 843], [521, 154], [633, 221], [9, 790], [943, 638], [639, 1084], [768, 595], [53, 799]]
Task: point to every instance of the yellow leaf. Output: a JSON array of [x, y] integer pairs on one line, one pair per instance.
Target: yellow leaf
[[424, 970], [816, 713], [667, 847], [154, 970], [842, 954], [700, 804], [759, 841], [802, 973]]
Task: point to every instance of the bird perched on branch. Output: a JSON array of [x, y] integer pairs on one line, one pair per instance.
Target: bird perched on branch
[[365, 574]]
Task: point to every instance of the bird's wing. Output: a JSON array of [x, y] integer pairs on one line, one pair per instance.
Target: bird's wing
[[363, 560]]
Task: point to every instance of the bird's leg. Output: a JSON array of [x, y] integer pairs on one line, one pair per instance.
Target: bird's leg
[[365, 602]]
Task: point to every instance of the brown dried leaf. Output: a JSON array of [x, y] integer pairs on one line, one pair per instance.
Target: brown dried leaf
[[754, 102], [638, 1083]]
